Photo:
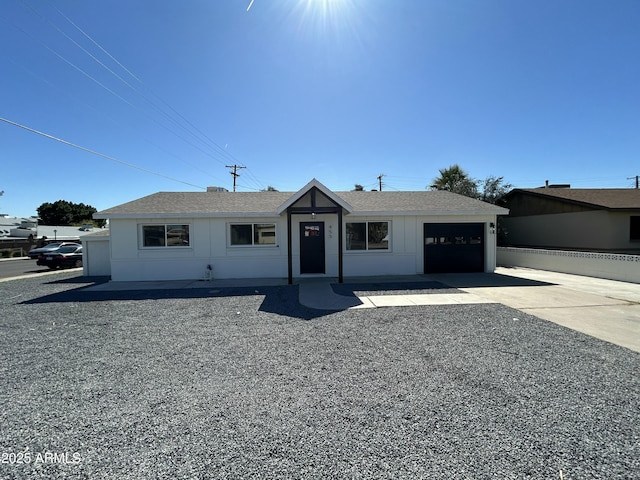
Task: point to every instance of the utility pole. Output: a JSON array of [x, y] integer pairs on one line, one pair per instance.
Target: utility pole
[[380, 180], [636, 177], [234, 173]]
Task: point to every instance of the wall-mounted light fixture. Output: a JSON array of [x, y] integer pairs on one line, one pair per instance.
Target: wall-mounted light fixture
[[492, 228], [313, 215]]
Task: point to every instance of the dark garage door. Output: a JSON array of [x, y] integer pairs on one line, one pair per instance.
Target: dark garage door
[[453, 247]]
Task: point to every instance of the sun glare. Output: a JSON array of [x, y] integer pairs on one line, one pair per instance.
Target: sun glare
[[327, 14]]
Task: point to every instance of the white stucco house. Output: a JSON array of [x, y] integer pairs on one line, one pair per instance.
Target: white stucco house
[[313, 232]]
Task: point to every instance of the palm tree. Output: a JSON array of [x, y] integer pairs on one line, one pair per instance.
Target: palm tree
[[455, 179]]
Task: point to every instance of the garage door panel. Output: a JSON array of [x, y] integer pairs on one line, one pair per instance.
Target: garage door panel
[[453, 247]]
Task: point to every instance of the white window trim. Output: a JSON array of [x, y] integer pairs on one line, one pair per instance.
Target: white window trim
[[141, 245], [252, 245], [368, 251]]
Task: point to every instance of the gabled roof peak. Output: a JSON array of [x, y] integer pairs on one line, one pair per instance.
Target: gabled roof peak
[[314, 183]]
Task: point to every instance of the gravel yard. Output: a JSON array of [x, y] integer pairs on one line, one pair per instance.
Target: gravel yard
[[234, 383]]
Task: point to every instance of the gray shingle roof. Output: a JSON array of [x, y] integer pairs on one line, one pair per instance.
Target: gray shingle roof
[[200, 204], [609, 198]]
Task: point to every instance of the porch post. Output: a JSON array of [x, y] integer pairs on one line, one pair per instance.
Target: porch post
[[340, 277], [289, 248]]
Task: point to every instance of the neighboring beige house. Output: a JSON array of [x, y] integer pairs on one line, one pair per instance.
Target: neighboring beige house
[[313, 232], [603, 220]]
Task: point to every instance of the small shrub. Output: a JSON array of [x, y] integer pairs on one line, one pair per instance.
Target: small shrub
[[17, 253]]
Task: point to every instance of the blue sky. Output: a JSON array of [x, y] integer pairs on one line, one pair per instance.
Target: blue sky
[[339, 90]]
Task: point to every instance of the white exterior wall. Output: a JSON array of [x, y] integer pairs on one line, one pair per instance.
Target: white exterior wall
[[600, 265], [210, 245], [406, 255], [96, 257], [400, 259]]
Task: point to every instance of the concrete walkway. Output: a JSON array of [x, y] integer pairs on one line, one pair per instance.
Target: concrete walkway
[[318, 294]]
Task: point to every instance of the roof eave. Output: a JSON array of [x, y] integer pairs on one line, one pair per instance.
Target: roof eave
[[124, 216], [427, 213], [582, 203]]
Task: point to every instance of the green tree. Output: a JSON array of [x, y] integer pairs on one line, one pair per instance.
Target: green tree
[[455, 179], [63, 212], [494, 189], [358, 188], [269, 189]]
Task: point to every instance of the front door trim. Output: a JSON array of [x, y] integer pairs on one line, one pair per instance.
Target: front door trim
[[312, 248], [314, 208]]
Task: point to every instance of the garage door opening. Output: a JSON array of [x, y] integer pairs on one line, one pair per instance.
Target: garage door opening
[[453, 247]]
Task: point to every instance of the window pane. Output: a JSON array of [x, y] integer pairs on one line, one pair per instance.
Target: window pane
[[378, 236], [445, 241], [475, 240], [240, 234], [177, 235], [153, 235], [430, 240], [264, 234], [356, 236], [460, 241], [634, 228]]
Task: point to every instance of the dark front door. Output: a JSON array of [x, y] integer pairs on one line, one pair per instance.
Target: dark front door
[[453, 247], [312, 247]]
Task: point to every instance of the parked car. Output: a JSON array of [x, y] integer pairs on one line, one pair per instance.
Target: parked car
[[67, 256], [50, 247]]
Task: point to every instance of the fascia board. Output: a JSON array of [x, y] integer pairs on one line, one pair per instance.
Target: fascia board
[[124, 216], [422, 213]]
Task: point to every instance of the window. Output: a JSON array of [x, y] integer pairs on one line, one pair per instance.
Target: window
[[634, 228], [165, 235], [253, 234], [367, 236]]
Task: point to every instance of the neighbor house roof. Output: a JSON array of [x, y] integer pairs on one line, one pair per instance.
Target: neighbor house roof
[[600, 198], [257, 204]]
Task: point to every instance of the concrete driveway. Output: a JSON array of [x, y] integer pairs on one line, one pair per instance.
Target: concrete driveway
[[605, 309]]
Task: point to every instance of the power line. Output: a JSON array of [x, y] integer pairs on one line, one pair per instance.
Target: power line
[[215, 152], [94, 42], [104, 115], [157, 104], [93, 152], [213, 145]]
